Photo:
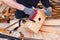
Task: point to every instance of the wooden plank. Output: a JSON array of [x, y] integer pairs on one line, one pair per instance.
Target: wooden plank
[[50, 36], [51, 29], [45, 32], [12, 27], [4, 31], [52, 22], [28, 34], [7, 25], [50, 33]]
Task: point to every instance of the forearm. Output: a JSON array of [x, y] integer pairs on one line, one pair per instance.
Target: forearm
[[0, 2], [13, 4]]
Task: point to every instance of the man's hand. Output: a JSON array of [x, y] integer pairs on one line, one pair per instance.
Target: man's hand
[[31, 12], [48, 11]]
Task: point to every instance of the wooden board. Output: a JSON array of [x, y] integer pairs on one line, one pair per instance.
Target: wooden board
[[35, 26], [52, 22], [50, 32], [7, 25], [4, 27], [46, 32], [28, 34], [4, 31]]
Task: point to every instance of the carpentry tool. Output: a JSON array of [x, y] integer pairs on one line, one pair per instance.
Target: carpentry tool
[[35, 25]]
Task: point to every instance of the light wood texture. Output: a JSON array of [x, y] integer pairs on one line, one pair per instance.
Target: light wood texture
[[28, 34], [4, 31], [52, 22], [50, 32], [50, 29]]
